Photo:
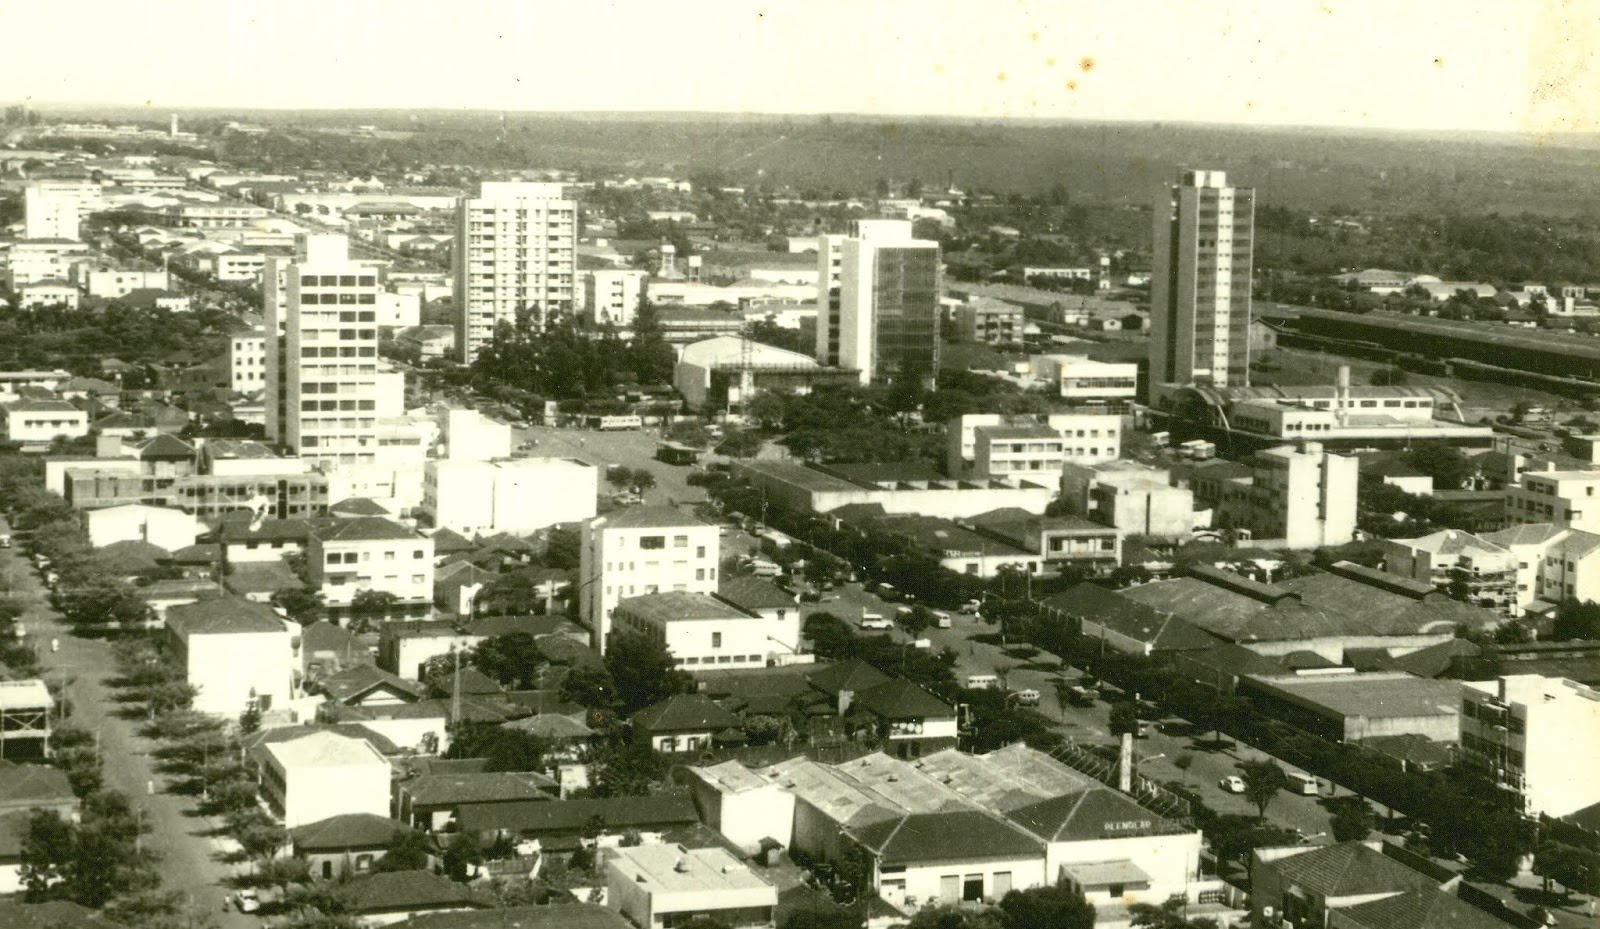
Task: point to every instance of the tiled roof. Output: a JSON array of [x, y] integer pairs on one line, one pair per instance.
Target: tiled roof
[[853, 675], [1350, 869], [401, 891], [34, 783], [551, 816], [651, 517], [482, 787], [677, 606], [238, 527], [550, 726], [164, 446], [353, 683], [222, 616], [685, 713], [1124, 614], [324, 749], [927, 837], [447, 541], [570, 916], [1418, 909], [357, 506], [200, 553], [754, 593], [365, 529], [898, 698], [352, 830], [1093, 814]]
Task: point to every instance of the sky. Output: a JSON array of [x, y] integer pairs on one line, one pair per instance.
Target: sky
[[1517, 65]]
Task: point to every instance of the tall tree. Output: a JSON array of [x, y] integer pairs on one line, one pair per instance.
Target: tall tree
[[644, 671], [1262, 782]]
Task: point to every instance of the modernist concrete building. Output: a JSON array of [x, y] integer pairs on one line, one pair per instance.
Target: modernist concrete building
[[1539, 737], [642, 550], [516, 251], [1200, 289], [235, 653], [878, 302]]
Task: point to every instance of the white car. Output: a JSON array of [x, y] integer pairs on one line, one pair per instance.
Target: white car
[[1233, 784], [246, 901], [1029, 697]]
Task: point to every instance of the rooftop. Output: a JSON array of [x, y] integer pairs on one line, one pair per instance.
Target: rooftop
[[926, 837], [352, 830], [1350, 869], [34, 784], [675, 869], [898, 698], [355, 682], [685, 713], [678, 606], [485, 787], [568, 916], [325, 750], [224, 616], [365, 529], [1373, 695], [558, 816], [753, 593], [649, 517]]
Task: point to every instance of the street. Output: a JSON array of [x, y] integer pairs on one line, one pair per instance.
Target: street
[[190, 860]]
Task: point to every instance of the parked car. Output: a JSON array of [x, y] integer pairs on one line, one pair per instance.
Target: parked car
[[1233, 784], [941, 619], [1029, 697], [247, 901], [874, 621], [971, 606]]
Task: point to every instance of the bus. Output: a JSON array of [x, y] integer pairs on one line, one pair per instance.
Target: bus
[[674, 453], [614, 423]]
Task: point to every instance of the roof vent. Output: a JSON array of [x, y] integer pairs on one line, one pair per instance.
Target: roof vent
[[682, 867]]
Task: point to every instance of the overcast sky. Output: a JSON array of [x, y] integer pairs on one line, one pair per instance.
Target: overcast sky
[[1435, 64]]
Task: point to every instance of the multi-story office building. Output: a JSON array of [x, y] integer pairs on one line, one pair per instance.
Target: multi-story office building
[[1554, 563], [878, 304], [49, 215], [1200, 288], [642, 550], [516, 251], [247, 361], [1538, 736], [323, 395], [613, 295]]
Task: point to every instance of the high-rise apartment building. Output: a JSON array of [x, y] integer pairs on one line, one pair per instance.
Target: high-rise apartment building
[[1200, 288], [1538, 737], [324, 388], [878, 301], [516, 250], [642, 550]]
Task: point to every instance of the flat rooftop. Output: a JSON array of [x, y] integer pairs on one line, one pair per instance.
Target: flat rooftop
[[1376, 695]]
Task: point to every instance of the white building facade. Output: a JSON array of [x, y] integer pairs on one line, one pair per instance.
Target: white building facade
[[642, 550], [1200, 289], [1538, 736], [516, 250]]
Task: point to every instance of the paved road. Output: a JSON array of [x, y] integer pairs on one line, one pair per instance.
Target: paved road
[[189, 857]]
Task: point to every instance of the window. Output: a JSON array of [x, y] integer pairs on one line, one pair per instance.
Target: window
[[680, 541], [652, 542], [716, 640], [388, 556], [700, 551], [416, 579], [699, 574], [417, 553]]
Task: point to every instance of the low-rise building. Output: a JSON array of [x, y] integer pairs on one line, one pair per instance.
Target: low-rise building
[[986, 319], [1059, 541], [1565, 498], [658, 886], [722, 374], [348, 844], [347, 556], [323, 774], [1342, 705], [40, 422], [992, 445], [1086, 382], [1305, 496], [433, 800], [1554, 562], [1538, 737], [703, 632], [898, 489], [642, 550], [682, 723], [235, 653]]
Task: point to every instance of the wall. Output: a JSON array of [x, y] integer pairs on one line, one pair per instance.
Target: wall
[[316, 793], [168, 529], [1172, 861], [227, 667], [926, 884]]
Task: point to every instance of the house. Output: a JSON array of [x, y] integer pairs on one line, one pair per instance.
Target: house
[[656, 886], [704, 632], [422, 726], [322, 774], [563, 825], [249, 540], [683, 723], [347, 844], [368, 685], [1359, 885], [1125, 625], [566, 735], [39, 422], [236, 653], [391, 896], [28, 787], [914, 721], [431, 801], [566, 916]]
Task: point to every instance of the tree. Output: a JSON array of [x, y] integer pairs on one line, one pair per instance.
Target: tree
[[1058, 907], [643, 481], [588, 686], [1262, 781], [303, 606], [261, 840], [409, 850], [1124, 718], [644, 671], [512, 659], [1577, 620], [250, 719], [1353, 819], [47, 855], [1183, 763], [282, 872], [463, 855], [628, 770], [369, 605], [1168, 915]]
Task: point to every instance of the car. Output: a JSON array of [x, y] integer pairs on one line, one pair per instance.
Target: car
[[1029, 697], [971, 606], [1233, 784], [1302, 783], [246, 901], [941, 619]]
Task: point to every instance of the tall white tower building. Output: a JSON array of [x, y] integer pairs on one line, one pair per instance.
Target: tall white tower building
[[48, 214], [324, 392], [1200, 288], [516, 249], [878, 301]]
